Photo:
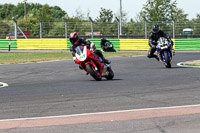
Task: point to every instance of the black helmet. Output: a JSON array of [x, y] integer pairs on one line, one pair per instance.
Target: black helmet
[[103, 39], [169, 37], [155, 28]]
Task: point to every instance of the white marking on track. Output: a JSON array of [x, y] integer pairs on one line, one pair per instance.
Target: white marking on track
[[100, 113], [3, 84], [181, 64]]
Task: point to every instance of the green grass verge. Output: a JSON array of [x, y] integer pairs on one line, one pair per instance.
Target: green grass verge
[[192, 63], [14, 58]]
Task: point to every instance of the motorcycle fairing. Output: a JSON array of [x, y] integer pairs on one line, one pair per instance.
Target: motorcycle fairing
[[83, 55]]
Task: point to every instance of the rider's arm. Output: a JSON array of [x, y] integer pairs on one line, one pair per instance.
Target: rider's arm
[[163, 34], [151, 40], [72, 49], [89, 44]]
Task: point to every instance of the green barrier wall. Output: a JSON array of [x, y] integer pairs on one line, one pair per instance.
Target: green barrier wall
[[68, 44], [115, 43], [187, 44], [4, 44]]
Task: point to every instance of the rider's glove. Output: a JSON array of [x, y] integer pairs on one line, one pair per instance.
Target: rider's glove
[[153, 46], [92, 46], [74, 59]]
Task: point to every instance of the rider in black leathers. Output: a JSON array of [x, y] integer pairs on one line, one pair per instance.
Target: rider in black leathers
[[153, 38], [76, 41], [106, 47]]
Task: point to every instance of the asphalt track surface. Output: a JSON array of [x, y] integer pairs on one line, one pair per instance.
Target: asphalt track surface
[[61, 88]]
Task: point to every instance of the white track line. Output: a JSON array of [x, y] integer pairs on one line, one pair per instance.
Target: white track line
[[98, 113]]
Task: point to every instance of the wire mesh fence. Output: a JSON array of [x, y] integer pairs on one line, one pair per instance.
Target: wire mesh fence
[[98, 30]]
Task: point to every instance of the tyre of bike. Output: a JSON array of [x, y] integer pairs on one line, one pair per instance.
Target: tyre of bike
[[95, 74], [110, 74], [167, 60]]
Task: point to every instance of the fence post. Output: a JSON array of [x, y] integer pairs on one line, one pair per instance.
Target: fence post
[[65, 27], [92, 27], [145, 28], [15, 30], [118, 27], [40, 27], [120, 17], [173, 21]]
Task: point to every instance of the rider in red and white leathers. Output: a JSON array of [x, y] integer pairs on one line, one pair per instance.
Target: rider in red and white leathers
[[76, 41]]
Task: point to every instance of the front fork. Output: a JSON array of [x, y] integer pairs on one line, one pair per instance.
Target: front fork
[[162, 55]]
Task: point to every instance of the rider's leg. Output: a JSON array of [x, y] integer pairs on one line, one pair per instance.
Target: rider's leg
[[151, 53], [99, 53]]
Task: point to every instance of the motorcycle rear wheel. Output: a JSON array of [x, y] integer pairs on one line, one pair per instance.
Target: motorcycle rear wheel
[[96, 75], [110, 75]]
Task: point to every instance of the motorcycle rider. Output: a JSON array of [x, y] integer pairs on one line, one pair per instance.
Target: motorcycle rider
[[103, 41], [155, 34], [105, 47], [76, 41]]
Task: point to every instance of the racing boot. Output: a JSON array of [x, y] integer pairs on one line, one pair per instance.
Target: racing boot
[[156, 57], [99, 53], [173, 52]]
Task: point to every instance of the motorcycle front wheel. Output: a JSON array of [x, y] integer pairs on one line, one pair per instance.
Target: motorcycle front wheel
[[167, 60], [95, 74]]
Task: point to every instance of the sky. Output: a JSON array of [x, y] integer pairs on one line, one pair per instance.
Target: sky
[[131, 7]]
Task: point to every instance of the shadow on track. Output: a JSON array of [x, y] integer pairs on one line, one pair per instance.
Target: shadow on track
[[108, 80]]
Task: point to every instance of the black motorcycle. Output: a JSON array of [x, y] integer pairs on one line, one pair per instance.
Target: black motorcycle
[[107, 46]]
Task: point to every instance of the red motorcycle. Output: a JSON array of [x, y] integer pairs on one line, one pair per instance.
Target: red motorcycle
[[92, 64]]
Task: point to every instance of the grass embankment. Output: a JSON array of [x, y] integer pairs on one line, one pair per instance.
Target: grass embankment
[[14, 58], [192, 63]]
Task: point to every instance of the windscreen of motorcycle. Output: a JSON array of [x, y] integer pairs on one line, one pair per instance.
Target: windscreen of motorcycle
[[81, 53], [162, 42]]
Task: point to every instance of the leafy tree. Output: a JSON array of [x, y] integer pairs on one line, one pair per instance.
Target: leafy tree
[[162, 10], [124, 16], [106, 16], [6, 11], [5, 29], [34, 9], [58, 13], [196, 24]]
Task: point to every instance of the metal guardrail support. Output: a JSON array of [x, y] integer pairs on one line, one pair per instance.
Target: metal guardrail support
[[92, 27], [40, 27], [65, 27], [16, 26], [118, 27]]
